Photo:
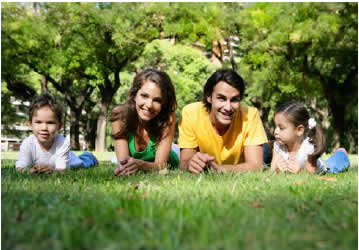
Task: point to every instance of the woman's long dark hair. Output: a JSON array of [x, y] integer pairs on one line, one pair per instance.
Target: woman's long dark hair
[[297, 114], [128, 115]]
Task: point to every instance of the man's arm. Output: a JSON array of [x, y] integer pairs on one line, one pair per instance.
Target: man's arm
[[253, 161]]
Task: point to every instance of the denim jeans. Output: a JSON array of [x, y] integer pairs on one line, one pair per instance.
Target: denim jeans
[[85, 160], [336, 163]]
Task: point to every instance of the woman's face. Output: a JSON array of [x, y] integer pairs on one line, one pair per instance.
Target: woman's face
[[148, 101]]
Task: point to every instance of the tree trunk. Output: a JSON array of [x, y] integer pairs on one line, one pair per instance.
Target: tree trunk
[[337, 110], [74, 130], [100, 145], [43, 84]]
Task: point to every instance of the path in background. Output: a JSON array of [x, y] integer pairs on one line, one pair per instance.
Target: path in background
[[106, 156]]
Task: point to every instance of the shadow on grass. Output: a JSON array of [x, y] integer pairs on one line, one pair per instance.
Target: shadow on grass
[[90, 218]]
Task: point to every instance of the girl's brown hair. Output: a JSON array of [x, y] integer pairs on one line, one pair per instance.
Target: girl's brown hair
[[128, 115], [297, 114]]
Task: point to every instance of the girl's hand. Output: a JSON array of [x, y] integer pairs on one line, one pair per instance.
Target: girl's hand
[[282, 164], [293, 166], [128, 166]]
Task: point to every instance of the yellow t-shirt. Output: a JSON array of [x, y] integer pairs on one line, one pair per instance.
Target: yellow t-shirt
[[196, 130]]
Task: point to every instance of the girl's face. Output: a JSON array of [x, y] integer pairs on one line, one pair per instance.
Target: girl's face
[[285, 132], [148, 101], [44, 125]]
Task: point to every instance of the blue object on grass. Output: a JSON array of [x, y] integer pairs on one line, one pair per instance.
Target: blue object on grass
[[336, 163]]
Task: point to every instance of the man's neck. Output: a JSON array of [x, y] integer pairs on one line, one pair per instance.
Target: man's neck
[[218, 127]]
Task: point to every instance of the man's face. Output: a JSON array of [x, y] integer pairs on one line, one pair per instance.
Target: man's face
[[225, 101]]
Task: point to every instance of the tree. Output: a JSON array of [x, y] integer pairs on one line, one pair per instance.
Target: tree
[[55, 50], [303, 51]]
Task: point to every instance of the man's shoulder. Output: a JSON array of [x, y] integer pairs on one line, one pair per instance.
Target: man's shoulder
[[194, 106], [193, 109], [248, 111]]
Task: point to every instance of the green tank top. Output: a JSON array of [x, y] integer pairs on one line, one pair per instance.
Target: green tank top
[[149, 153]]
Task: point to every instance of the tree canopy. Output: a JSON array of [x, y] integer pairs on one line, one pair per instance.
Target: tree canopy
[[87, 55]]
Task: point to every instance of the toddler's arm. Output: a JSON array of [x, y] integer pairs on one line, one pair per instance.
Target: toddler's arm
[[278, 163]]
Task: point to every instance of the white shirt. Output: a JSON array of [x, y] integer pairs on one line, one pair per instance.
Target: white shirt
[[306, 148], [32, 154]]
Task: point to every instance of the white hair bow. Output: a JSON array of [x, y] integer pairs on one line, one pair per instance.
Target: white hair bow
[[312, 123]]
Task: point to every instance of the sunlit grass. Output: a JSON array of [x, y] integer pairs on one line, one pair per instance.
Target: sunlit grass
[[92, 209]]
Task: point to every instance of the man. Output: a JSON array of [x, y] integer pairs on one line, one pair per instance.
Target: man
[[220, 133]]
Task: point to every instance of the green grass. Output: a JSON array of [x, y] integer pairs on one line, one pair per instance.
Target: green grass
[[92, 209]]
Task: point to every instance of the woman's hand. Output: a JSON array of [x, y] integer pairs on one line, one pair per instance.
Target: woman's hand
[[128, 166]]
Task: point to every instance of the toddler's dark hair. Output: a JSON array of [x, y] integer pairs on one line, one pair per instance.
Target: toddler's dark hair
[[46, 100], [297, 114]]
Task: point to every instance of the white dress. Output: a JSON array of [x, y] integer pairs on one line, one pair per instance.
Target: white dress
[[306, 148]]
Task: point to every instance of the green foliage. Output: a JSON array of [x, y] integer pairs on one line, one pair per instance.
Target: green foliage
[[302, 51], [187, 67], [92, 209]]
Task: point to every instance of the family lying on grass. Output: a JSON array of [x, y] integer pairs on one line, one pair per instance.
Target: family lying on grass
[[218, 134]]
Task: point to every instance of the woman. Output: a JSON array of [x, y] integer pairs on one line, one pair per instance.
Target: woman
[[143, 128]]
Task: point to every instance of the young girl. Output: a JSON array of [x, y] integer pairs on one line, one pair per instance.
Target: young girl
[[46, 150], [299, 142], [143, 128]]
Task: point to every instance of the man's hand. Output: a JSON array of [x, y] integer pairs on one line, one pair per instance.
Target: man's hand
[[198, 162], [213, 167]]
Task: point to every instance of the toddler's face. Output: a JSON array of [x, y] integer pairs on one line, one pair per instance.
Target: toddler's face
[[284, 132], [44, 125]]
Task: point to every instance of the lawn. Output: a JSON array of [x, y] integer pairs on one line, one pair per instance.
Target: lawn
[[92, 209]]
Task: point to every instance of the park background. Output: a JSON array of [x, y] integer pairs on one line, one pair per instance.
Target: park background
[[86, 54]]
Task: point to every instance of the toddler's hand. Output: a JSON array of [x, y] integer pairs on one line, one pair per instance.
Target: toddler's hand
[[293, 166], [282, 164], [37, 169]]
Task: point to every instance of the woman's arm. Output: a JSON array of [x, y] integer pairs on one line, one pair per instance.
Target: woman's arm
[[163, 148], [121, 145], [131, 165]]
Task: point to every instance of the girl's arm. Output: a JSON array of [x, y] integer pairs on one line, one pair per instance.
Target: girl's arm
[[273, 164], [309, 167], [278, 163]]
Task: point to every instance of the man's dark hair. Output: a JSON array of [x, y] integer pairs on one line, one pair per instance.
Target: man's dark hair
[[227, 75]]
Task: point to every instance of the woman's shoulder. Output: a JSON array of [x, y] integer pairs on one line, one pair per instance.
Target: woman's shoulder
[[119, 108]]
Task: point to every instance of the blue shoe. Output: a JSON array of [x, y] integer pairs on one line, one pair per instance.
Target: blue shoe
[[321, 167]]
